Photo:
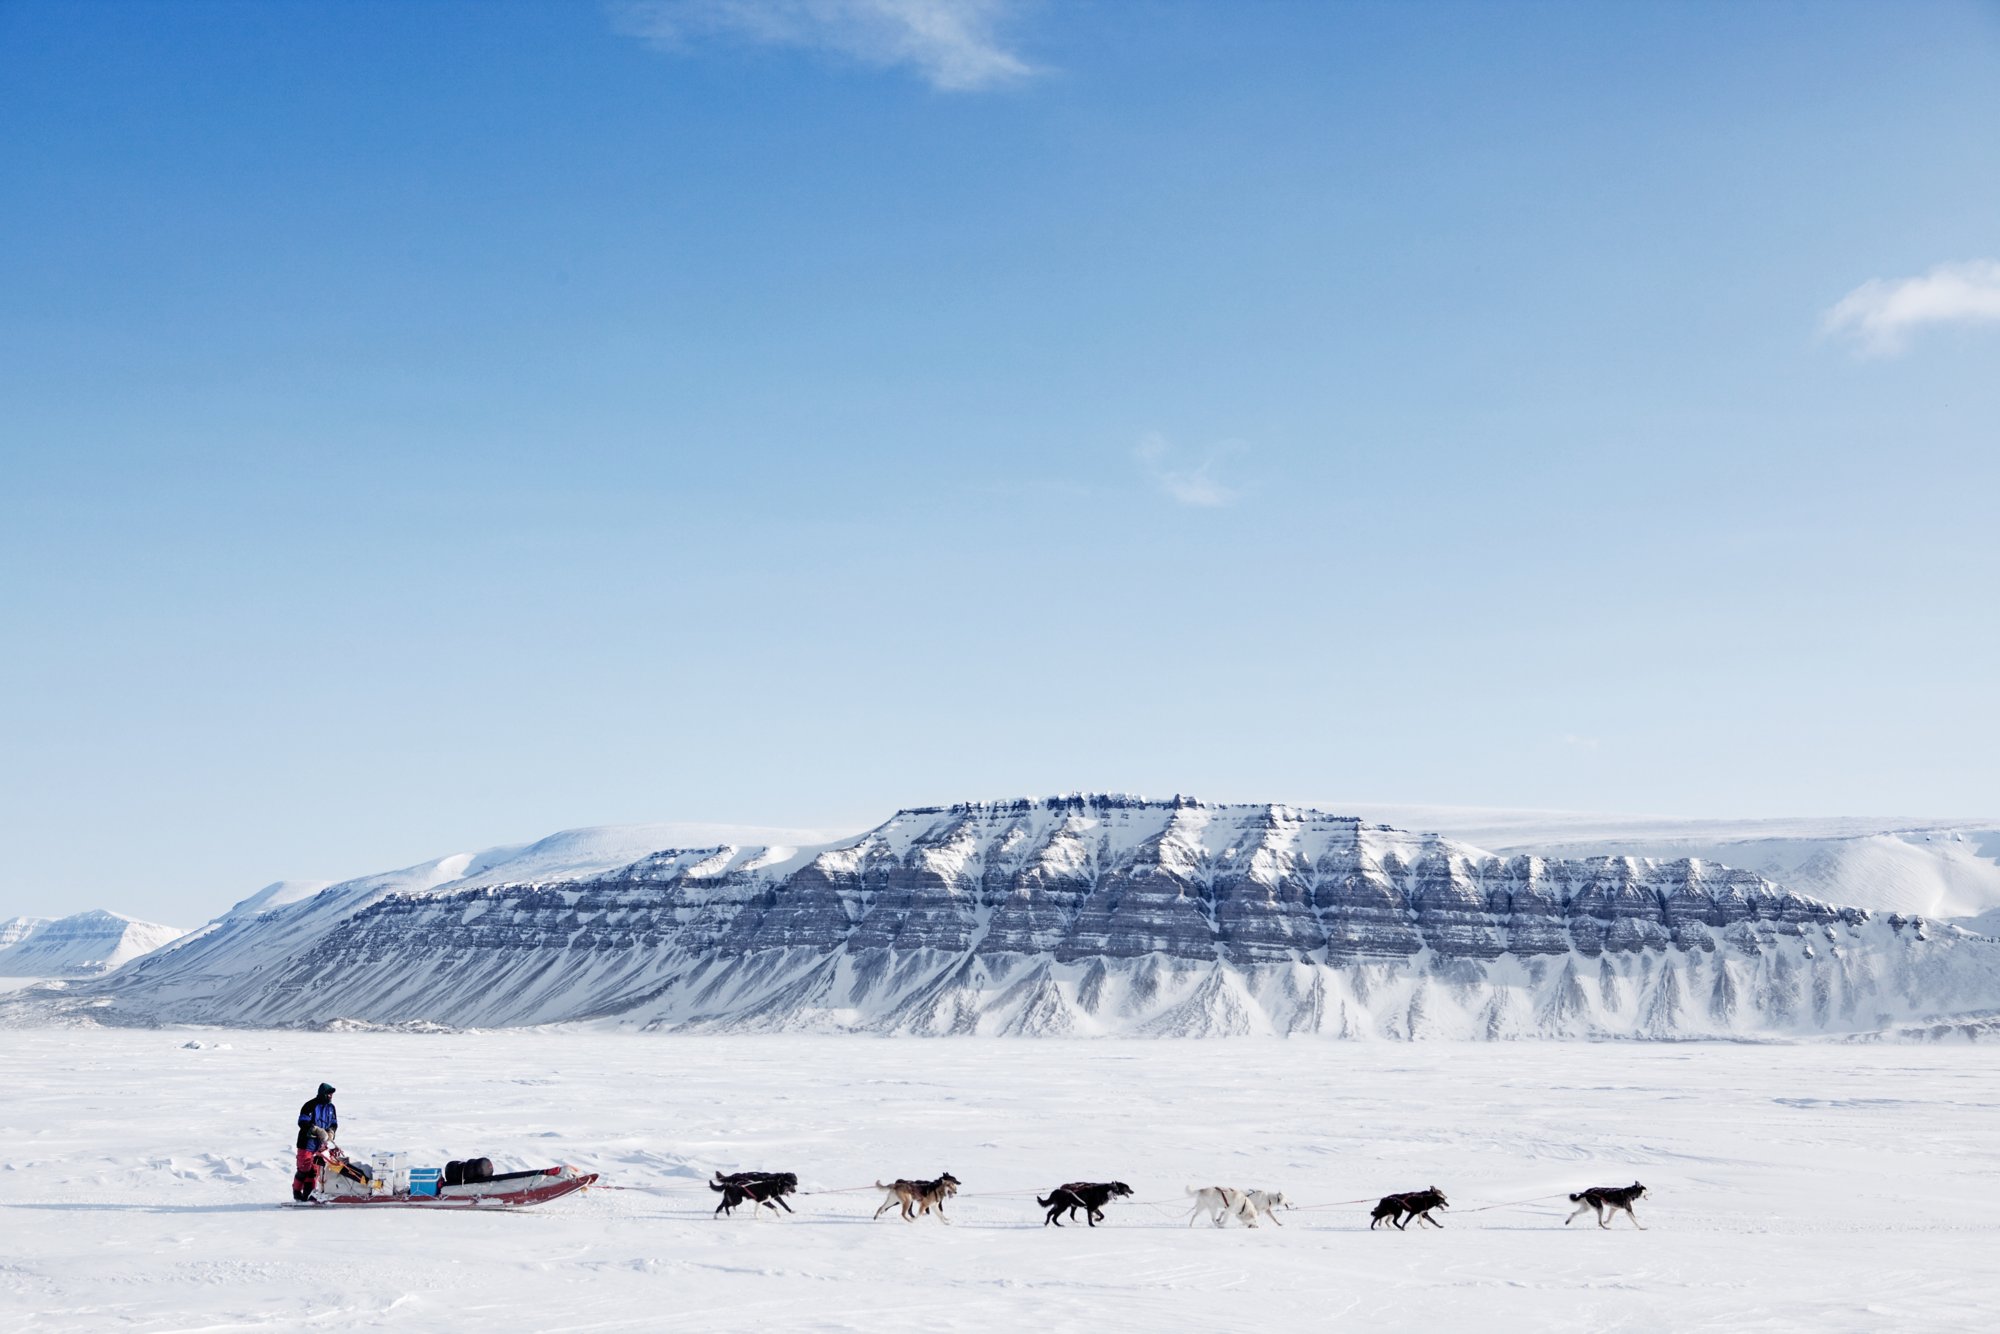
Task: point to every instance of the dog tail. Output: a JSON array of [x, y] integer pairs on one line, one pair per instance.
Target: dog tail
[[880, 1186], [1046, 1203], [1194, 1190], [1574, 1198], [719, 1190]]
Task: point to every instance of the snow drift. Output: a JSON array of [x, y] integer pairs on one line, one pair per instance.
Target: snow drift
[[1071, 916]]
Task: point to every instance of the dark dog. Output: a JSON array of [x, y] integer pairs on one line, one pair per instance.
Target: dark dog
[[1417, 1204], [1089, 1196], [766, 1190], [918, 1197], [1608, 1200]]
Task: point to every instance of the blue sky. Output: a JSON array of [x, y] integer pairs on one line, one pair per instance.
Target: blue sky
[[430, 425]]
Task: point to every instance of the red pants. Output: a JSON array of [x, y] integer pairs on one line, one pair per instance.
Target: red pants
[[305, 1180]]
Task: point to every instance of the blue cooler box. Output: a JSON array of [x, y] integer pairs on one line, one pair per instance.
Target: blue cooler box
[[424, 1180]]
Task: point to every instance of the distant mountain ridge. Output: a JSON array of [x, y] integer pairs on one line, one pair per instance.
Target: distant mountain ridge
[[1926, 867], [1079, 915], [87, 944]]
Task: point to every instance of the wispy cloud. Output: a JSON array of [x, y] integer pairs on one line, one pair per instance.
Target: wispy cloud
[[956, 45], [1882, 313], [1189, 482], [1577, 742]]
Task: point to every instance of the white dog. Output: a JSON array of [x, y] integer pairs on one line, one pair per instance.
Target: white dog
[[1222, 1203], [1267, 1203]]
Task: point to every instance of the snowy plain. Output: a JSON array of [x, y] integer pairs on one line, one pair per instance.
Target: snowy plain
[[1823, 1186]]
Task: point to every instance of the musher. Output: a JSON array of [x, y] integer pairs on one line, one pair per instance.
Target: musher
[[318, 1123]]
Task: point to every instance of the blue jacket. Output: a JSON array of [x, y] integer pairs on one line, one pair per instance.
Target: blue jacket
[[317, 1113]]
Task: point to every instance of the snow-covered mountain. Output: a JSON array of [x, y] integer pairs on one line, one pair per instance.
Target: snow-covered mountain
[[1074, 915], [1926, 867], [16, 929], [87, 944]]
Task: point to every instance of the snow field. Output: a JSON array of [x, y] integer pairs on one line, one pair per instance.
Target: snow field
[[1813, 1186]]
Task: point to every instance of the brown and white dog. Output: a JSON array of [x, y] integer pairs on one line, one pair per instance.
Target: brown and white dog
[[1608, 1200], [918, 1197], [1222, 1203]]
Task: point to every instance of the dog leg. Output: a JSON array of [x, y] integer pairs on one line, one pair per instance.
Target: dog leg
[[1581, 1210], [1635, 1218]]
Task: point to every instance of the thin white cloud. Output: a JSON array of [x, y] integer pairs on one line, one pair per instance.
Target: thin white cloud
[[955, 45], [1193, 483], [1881, 314]]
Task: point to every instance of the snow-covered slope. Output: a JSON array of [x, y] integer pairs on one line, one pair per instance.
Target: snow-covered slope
[[1079, 915], [1933, 868], [85, 945], [16, 929]]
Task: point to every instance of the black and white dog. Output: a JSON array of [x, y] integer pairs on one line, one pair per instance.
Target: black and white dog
[[1608, 1200], [1089, 1196], [764, 1190], [1417, 1204]]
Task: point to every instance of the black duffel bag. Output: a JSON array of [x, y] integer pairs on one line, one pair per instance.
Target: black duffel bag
[[468, 1171]]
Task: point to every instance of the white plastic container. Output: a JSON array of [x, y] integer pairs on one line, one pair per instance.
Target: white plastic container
[[394, 1171]]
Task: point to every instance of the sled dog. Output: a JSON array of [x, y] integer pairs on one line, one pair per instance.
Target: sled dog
[[764, 1190], [1089, 1196], [1222, 1203], [1414, 1204], [1608, 1200], [918, 1197]]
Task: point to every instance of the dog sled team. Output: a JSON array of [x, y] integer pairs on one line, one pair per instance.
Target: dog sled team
[[326, 1175], [913, 1198]]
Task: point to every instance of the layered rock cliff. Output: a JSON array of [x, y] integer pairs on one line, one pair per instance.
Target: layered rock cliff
[[1079, 916]]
